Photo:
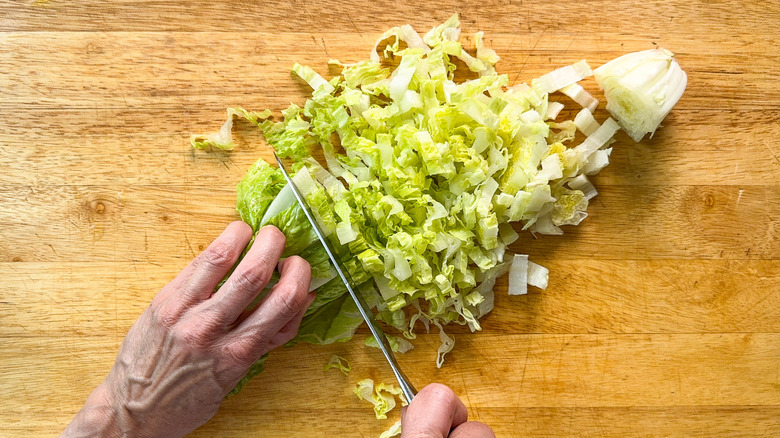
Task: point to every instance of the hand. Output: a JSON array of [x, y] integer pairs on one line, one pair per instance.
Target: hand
[[192, 345], [436, 412]]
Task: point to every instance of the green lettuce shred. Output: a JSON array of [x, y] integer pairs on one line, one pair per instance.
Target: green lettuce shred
[[382, 396], [339, 363], [394, 430], [224, 138]]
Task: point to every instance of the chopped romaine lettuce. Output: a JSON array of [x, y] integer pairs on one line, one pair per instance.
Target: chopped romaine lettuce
[[426, 179]]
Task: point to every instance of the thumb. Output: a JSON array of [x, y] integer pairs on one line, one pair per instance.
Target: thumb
[[433, 413]]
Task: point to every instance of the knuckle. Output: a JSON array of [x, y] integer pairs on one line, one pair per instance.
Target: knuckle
[[166, 319], [235, 352], [194, 335], [190, 336], [200, 330], [165, 315], [218, 256], [211, 319], [254, 278], [291, 302], [243, 351]]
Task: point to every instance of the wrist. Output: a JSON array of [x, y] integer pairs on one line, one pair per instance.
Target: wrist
[[98, 416]]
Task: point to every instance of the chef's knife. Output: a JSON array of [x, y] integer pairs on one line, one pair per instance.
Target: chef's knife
[[406, 387]]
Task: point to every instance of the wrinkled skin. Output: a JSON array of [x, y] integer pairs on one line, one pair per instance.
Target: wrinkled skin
[[192, 345]]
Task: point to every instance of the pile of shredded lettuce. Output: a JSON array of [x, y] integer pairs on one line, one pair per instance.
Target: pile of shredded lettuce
[[425, 180]]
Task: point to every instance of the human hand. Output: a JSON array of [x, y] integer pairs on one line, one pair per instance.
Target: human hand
[[191, 346], [436, 412]]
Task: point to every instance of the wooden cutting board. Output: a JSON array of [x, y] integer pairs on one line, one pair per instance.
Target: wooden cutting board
[[662, 317]]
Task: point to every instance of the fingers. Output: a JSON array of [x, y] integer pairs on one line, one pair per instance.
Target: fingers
[[291, 328], [433, 413], [249, 277], [436, 412], [472, 429], [197, 281], [286, 302]]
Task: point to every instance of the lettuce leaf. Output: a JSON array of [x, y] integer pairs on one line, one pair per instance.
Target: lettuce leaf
[[334, 321], [296, 228], [256, 191]]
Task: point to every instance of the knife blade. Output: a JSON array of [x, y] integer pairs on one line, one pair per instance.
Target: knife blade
[[365, 311]]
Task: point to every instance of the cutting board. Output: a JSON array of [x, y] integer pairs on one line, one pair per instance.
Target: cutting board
[[662, 316]]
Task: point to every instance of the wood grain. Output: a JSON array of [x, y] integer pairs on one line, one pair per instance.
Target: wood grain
[[589, 296], [662, 317]]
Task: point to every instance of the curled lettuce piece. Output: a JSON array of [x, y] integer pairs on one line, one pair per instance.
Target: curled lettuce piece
[[339, 363], [223, 139], [447, 344], [394, 430], [397, 344], [382, 396], [312, 78], [403, 33]]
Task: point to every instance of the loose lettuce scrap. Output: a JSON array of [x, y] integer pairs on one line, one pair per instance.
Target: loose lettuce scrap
[[223, 139], [382, 396], [394, 430], [425, 180], [397, 343], [339, 363]]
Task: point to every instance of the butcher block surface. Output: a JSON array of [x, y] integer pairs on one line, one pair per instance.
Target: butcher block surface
[[662, 315]]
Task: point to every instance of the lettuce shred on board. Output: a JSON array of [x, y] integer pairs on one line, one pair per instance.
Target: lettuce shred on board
[[339, 363], [382, 396]]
